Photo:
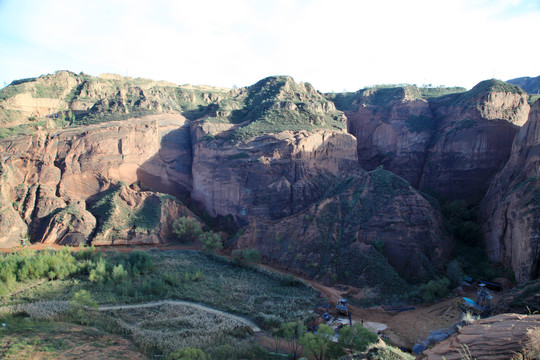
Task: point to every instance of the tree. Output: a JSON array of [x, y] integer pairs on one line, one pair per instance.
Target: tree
[[356, 337], [211, 242], [188, 354], [292, 332], [246, 256], [317, 345], [187, 230], [81, 305]]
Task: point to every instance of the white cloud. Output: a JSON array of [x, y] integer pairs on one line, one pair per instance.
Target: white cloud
[[344, 44]]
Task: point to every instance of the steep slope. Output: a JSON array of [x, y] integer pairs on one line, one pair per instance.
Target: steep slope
[[529, 84], [512, 203], [474, 136], [68, 99], [265, 152], [47, 178], [365, 230], [394, 127], [451, 144]]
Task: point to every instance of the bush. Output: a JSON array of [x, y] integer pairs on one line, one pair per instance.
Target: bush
[[356, 337], [188, 354], [318, 345], [246, 256], [211, 242], [187, 230], [80, 306], [434, 289], [454, 272]]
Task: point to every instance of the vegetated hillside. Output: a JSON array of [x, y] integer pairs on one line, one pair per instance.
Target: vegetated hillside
[[243, 156], [369, 230], [530, 84], [265, 158], [67, 99], [450, 145]]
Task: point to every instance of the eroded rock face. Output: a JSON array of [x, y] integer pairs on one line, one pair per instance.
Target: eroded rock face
[[49, 177], [473, 139], [270, 176], [506, 336], [394, 132], [451, 145], [511, 207], [361, 225]]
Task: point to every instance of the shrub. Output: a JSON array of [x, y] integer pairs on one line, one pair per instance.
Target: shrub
[[434, 289], [141, 262], [454, 272], [80, 306], [356, 337], [188, 354], [246, 256], [318, 345], [211, 242], [119, 274], [187, 230], [99, 274]]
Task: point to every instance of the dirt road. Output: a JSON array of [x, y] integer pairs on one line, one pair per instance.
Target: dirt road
[[252, 325]]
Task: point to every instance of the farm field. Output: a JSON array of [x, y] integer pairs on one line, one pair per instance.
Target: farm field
[[138, 295]]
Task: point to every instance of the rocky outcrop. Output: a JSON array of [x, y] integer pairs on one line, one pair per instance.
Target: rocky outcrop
[[269, 176], [473, 139], [363, 228], [128, 215], [506, 336], [511, 207], [394, 127], [49, 177], [450, 145], [82, 99], [264, 155]]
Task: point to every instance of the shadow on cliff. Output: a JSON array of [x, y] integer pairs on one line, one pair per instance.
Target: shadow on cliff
[[169, 170]]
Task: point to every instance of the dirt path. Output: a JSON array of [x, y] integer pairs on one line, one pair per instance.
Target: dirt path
[[249, 323], [402, 329]]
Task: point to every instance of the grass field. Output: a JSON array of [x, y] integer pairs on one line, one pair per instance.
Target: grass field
[[266, 298]]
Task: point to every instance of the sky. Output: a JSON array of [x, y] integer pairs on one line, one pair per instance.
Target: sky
[[338, 45]]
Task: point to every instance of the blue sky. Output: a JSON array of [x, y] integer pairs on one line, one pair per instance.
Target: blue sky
[[335, 45]]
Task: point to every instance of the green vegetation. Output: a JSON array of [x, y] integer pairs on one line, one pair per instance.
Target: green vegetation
[[480, 90], [432, 92], [188, 354], [388, 183], [187, 230], [434, 289], [319, 346], [113, 213], [461, 222], [211, 242], [276, 104], [246, 256], [524, 298], [356, 337], [533, 98], [380, 95], [84, 277], [24, 337]]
